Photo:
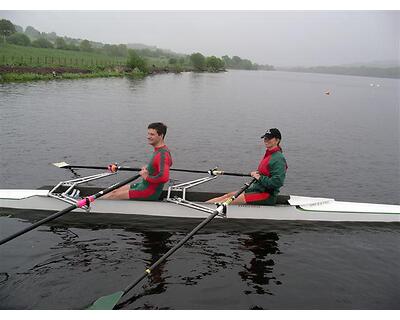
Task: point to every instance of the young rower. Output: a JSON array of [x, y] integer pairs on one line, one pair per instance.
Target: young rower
[[270, 175], [154, 175]]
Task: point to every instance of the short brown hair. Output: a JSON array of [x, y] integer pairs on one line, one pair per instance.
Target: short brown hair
[[160, 127]]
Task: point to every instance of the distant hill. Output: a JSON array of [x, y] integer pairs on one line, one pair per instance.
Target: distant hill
[[34, 34], [375, 64], [380, 69]]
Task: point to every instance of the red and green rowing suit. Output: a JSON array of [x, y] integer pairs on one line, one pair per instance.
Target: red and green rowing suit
[[272, 170], [158, 167]]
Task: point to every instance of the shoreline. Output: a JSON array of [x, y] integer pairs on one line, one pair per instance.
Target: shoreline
[[10, 74]]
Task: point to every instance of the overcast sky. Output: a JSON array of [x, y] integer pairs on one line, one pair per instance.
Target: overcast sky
[[280, 38]]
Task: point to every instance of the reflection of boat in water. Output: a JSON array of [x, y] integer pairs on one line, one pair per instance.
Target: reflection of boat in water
[[259, 270], [155, 244]]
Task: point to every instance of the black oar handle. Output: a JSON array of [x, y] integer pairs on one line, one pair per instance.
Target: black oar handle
[[120, 168], [79, 204], [220, 208]]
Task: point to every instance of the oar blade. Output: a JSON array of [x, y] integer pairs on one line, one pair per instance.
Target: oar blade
[[60, 164], [106, 302]]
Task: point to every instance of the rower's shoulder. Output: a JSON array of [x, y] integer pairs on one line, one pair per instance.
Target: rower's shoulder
[[164, 150], [278, 155]]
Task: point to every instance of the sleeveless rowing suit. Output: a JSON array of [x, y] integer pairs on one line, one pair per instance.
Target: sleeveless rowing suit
[[272, 170], [158, 167]]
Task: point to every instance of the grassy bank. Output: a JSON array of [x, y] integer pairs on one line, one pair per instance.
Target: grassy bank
[[23, 77], [13, 55], [19, 64]]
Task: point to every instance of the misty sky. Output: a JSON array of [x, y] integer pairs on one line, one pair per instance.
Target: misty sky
[[280, 38]]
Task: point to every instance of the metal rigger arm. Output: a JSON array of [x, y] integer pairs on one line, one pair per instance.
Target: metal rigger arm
[[182, 187], [71, 195]]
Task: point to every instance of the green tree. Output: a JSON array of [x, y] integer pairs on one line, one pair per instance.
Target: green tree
[[115, 50], [122, 50], [145, 52], [227, 60], [72, 47], [85, 46], [18, 28], [52, 36], [32, 33], [198, 61], [246, 64], [135, 61], [42, 43], [60, 43], [214, 64], [173, 61], [19, 39], [6, 28], [236, 61]]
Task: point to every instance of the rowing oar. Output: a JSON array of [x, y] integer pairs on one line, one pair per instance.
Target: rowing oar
[[213, 172], [110, 301], [84, 202]]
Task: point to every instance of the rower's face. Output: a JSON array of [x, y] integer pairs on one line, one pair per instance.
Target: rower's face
[[271, 143], [153, 137]]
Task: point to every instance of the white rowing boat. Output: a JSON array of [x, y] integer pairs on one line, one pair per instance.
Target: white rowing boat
[[178, 202]]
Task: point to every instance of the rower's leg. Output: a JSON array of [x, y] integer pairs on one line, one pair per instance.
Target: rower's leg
[[239, 200], [120, 193], [222, 198]]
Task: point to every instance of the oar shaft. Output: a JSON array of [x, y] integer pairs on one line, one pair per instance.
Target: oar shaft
[[216, 172], [171, 251], [37, 224], [100, 168], [115, 186], [79, 204], [188, 236]]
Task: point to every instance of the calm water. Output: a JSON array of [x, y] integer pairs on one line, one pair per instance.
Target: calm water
[[344, 145]]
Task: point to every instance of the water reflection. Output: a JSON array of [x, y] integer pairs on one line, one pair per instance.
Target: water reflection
[[75, 254], [155, 244], [258, 272]]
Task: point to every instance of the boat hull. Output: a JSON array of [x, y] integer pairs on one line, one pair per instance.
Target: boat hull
[[300, 209]]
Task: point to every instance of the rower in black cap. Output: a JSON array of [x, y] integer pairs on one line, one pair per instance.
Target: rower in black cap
[[270, 175]]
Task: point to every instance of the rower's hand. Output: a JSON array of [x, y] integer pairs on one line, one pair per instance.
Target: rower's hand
[[113, 167], [144, 173], [255, 174]]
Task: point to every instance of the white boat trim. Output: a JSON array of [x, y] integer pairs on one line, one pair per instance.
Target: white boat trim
[[21, 193]]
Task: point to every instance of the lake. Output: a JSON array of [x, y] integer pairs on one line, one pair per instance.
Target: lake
[[342, 145]]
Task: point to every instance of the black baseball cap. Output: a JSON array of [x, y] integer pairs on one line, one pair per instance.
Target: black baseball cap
[[272, 133]]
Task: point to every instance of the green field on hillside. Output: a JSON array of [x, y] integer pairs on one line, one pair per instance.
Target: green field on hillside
[[42, 57], [13, 55]]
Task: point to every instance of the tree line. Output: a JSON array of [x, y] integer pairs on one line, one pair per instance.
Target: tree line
[[136, 58]]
